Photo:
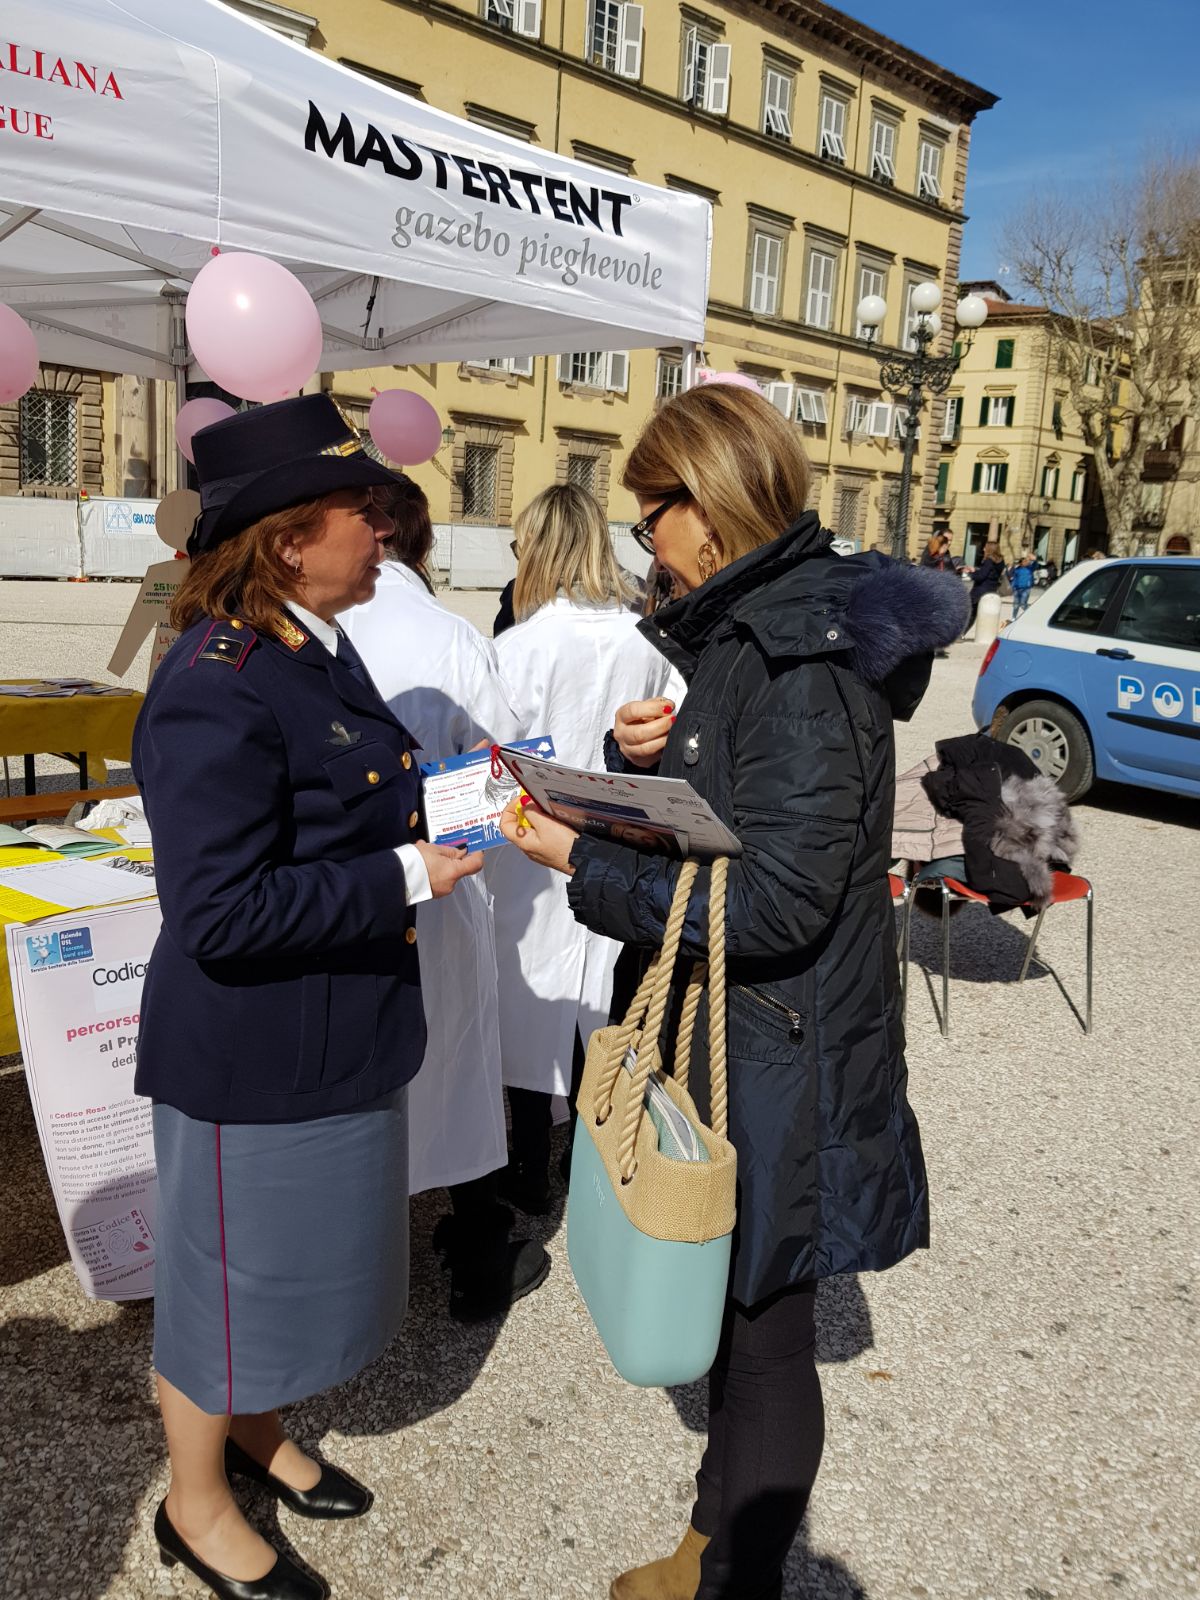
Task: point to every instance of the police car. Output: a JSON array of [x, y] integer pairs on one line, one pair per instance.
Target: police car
[[1100, 677]]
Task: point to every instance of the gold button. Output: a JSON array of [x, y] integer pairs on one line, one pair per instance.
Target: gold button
[[410, 936], [406, 761], [372, 777], [234, 623], [414, 819]]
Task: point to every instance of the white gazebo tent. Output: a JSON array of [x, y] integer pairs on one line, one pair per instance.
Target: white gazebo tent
[[138, 136]]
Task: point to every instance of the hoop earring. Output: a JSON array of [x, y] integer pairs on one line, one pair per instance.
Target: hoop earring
[[706, 560]]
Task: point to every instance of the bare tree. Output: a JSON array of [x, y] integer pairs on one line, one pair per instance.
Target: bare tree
[[1120, 273]]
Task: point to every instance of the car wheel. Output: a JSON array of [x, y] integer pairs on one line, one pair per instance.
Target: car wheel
[[1055, 741]]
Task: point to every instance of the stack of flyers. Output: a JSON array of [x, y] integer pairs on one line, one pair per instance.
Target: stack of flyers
[[464, 795]]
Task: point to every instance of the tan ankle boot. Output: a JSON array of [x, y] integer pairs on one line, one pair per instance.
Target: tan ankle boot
[[676, 1578]]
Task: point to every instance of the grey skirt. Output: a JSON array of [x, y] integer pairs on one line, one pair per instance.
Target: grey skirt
[[282, 1252]]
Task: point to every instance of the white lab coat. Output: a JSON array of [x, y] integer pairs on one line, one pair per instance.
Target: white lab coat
[[440, 677], [569, 668]]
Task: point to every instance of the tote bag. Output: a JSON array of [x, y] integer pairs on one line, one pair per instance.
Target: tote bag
[[650, 1215]]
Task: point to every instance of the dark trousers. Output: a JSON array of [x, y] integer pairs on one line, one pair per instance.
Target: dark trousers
[[766, 1431], [531, 1116]]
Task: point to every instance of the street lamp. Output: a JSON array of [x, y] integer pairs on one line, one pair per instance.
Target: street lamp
[[908, 374]]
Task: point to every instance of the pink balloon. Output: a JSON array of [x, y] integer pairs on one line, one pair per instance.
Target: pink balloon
[[18, 356], [253, 326], [193, 416], [405, 427]]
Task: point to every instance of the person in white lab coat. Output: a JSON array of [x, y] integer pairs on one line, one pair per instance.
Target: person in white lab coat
[[572, 659], [440, 677]]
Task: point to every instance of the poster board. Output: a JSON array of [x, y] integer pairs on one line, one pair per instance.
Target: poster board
[[77, 989]]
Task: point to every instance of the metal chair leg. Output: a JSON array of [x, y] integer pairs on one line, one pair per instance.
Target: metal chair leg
[[905, 936], [945, 962], [1087, 1025], [1032, 946]]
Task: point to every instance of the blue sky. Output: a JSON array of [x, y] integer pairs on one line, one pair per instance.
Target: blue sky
[[1085, 87]]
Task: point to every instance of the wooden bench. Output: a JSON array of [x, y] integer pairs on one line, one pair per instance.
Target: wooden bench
[[30, 807]]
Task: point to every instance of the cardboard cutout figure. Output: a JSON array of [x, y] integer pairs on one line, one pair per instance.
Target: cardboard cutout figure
[[151, 609]]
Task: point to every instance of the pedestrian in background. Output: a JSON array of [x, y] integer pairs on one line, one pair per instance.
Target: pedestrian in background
[[441, 679], [1021, 578], [985, 579], [796, 661], [936, 553], [281, 1017], [573, 657]]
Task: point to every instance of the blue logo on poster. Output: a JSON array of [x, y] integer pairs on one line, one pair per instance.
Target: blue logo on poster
[[58, 949]]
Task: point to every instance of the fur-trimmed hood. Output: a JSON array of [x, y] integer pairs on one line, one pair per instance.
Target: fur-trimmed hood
[[1035, 828]]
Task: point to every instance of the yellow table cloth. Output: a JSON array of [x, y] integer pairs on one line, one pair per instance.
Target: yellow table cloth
[[100, 725]]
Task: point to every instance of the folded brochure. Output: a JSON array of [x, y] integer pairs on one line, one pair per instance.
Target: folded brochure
[[464, 795], [664, 816]]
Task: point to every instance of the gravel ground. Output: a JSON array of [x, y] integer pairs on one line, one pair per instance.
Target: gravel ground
[[1011, 1414]]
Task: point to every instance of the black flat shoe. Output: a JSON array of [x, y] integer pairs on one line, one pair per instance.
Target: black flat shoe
[[333, 1495], [285, 1581]]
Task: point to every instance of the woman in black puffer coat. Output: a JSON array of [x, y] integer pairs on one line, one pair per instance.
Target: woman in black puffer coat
[[797, 660]]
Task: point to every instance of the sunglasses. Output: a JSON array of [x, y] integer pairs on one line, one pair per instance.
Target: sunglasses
[[643, 531]]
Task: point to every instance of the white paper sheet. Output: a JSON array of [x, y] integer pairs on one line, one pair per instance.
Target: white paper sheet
[[73, 884]]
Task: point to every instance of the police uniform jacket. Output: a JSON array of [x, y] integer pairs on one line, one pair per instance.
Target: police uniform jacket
[[284, 984]]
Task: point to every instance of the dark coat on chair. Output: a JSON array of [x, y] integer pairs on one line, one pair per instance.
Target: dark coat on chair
[[796, 662], [284, 984]]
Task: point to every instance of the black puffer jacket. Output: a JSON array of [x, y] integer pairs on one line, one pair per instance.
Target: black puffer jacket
[[796, 662]]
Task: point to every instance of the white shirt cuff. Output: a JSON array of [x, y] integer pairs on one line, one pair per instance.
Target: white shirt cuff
[[416, 874]]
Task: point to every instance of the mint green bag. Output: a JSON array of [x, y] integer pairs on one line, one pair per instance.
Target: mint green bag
[[652, 1199]]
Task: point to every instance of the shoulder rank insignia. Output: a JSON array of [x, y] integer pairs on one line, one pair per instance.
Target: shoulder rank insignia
[[295, 638], [230, 642]]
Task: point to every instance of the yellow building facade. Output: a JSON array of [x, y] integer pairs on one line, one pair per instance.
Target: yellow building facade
[[1015, 465], [835, 161]]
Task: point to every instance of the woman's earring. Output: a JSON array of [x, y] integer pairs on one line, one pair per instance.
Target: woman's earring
[[706, 560]]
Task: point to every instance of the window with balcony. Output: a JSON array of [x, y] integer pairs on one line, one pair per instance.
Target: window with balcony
[[832, 143], [48, 425], [705, 71], [777, 103], [595, 369], [668, 377], [766, 273], [952, 422], [883, 150], [818, 296], [515, 16], [614, 39], [996, 410], [871, 280], [989, 477], [929, 170]]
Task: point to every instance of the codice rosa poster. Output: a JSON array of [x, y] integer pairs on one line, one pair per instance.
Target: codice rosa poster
[[77, 989]]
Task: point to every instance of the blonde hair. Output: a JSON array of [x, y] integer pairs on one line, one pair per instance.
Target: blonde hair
[[738, 458], [563, 547], [246, 576]]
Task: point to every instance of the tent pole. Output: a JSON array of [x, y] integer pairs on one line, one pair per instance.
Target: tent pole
[[689, 366], [177, 299]]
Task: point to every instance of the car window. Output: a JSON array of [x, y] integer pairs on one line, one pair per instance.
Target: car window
[[1163, 608], [1084, 608]]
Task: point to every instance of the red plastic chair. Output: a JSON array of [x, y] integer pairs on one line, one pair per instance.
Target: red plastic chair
[[1066, 888]]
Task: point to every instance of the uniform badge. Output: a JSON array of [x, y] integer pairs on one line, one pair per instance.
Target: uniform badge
[[342, 736], [230, 642], [292, 636]]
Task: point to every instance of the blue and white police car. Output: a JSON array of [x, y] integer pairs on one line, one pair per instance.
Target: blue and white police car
[[1100, 678]]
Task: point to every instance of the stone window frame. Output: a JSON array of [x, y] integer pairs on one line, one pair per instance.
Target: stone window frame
[[88, 390], [598, 447], [499, 433], [597, 156], [500, 122]]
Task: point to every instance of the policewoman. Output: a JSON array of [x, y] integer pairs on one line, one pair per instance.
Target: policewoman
[[281, 1016]]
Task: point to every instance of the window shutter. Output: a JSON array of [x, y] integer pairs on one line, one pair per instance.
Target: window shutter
[[833, 128], [883, 151], [1004, 352], [782, 397], [976, 476], [617, 377], [764, 274], [1002, 477], [943, 482], [985, 406], [690, 39], [521, 365], [777, 104], [528, 18], [717, 91], [629, 42], [819, 310], [879, 425], [564, 367]]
